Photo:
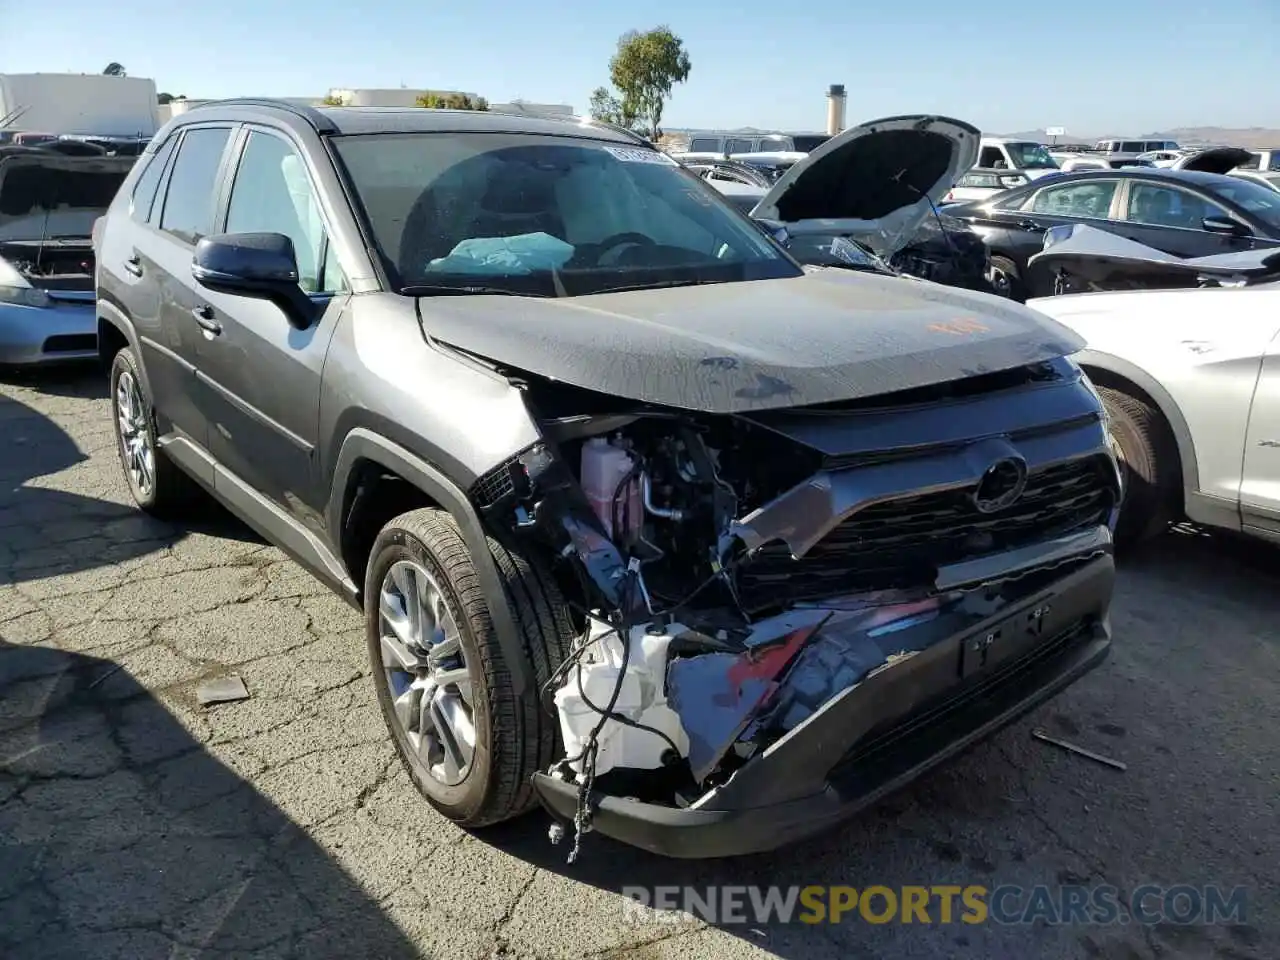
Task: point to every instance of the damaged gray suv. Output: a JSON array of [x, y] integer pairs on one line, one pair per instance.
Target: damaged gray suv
[[695, 545]]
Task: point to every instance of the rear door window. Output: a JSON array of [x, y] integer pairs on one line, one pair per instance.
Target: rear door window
[[191, 199], [740, 146], [1089, 200]]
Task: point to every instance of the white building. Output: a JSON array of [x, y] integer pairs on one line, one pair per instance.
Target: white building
[[392, 97], [388, 97]]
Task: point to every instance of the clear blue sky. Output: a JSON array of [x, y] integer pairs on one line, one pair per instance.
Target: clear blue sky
[[1093, 66]]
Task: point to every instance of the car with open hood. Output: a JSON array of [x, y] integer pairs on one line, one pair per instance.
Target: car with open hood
[[876, 185], [695, 545], [48, 204]]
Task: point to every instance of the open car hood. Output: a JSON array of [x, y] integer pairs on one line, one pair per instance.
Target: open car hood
[[876, 182], [1102, 257], [1214, 160], [47, 194]]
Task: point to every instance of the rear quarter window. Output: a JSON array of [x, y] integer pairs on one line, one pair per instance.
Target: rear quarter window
[[144, 190]]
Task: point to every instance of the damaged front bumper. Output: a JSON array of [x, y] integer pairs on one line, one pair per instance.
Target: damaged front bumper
[[964, 676]]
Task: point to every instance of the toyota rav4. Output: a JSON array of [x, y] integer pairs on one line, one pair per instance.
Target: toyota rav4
[[698, 546]]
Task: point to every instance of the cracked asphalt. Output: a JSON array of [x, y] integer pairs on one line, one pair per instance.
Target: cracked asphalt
[[135, 824]]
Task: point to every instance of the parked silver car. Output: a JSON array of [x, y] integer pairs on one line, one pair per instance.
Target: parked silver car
[[48, 204]]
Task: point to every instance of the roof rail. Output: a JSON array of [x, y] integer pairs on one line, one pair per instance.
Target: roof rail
[[319, 122], [603, 124]]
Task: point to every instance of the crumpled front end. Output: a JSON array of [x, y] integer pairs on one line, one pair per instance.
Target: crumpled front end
[[785, 614]]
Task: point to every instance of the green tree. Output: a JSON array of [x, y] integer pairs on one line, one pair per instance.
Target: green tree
[[609, 108], [333, 100], [452, 101], [114, 69], [645, 68]]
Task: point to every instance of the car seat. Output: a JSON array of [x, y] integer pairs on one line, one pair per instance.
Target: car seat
[[481, 198]]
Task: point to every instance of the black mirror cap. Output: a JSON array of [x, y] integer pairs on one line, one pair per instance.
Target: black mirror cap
[[245, 258], [262, 265]]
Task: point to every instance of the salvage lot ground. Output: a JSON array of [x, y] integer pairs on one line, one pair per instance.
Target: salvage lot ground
[[134, 824]]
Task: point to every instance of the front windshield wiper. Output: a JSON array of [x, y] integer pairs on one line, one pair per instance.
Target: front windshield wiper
[[443, 289], [657, 285]]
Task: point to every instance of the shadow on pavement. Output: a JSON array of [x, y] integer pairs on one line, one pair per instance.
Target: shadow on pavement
[[80, 380], [121, 837], [47, 532]]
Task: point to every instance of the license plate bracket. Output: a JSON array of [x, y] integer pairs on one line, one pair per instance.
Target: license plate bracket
[[1010, 637]]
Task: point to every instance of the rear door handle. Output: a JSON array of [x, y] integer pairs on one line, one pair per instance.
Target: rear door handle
[[133, 266], [204, 317]]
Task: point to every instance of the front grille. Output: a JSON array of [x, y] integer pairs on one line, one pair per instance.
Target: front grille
[[901, 543]]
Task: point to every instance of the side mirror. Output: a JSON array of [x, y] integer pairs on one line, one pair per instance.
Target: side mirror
[[260, 265], [1224, 225]]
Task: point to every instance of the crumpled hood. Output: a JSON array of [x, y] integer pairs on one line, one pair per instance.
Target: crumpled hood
[[876, 181], [829, 335], [46, 194]]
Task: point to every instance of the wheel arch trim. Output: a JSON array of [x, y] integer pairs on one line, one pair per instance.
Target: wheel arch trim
[[1168, 407], [111, 315], [362, 444]]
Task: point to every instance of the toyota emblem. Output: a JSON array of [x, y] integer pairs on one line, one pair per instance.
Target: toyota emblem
[[1001, 485]]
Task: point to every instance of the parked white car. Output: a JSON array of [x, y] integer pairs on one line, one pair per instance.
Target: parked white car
[[1191, 381], [1269, 179], [980, 184], [1161, 158]]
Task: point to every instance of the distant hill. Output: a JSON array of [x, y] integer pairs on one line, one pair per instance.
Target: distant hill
[[1236, 137]]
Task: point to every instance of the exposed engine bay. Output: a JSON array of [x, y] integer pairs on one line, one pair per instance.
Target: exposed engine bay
[[735, 574], [52, 265]]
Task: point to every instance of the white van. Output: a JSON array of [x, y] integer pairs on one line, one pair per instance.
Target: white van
[[1024, 156]]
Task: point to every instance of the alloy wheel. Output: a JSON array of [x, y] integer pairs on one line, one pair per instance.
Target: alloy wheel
[[427, 672], [135, 439]]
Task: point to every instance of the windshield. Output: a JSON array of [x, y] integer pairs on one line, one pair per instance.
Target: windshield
[[1031, 156], [547, 216], [1262, 202]]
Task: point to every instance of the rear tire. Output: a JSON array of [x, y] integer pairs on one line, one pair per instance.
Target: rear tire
[[1005, 279], [157, 484], [1150, 465], [512, 735]]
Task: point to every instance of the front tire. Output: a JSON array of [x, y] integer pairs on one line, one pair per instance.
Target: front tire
[[158, 486], [1149, 460], [468, 741]]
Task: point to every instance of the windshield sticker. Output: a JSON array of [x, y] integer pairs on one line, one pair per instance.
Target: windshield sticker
[[639, 155]]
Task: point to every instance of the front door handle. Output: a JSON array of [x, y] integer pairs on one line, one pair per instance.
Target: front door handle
[[133, 266], [1030, 225], [204, 317]]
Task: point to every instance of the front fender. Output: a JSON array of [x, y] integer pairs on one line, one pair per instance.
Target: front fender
[[362, 444]]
